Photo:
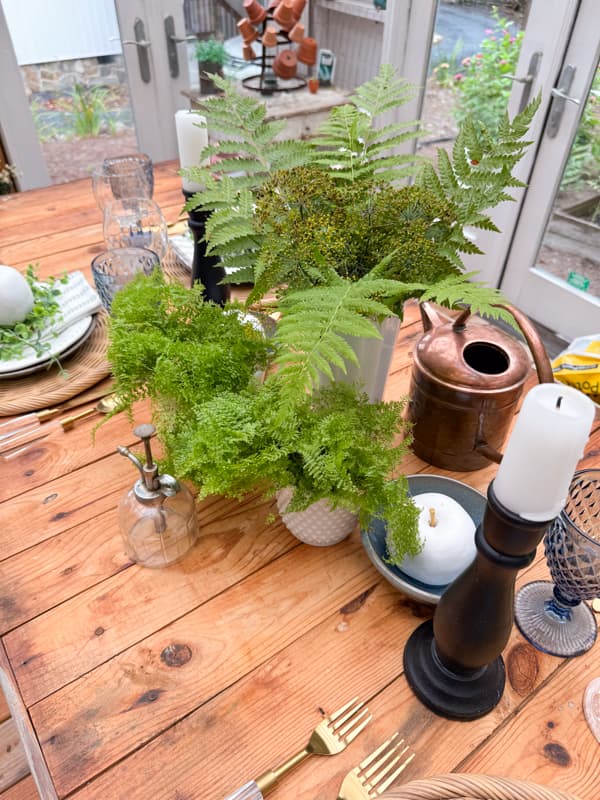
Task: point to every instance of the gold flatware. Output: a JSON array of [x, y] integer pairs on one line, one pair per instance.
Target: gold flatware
[[331, 736], [33, 418], [377, 771], [104, 406]]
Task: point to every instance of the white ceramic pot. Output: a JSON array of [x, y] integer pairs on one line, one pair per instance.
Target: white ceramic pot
[[319, 524], [374, 359]]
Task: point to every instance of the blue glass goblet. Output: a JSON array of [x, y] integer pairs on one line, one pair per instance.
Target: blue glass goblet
[[552, 616]]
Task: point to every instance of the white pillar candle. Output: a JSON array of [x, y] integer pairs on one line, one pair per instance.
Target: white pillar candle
[[542, 453], [191, 141], [448, 543]]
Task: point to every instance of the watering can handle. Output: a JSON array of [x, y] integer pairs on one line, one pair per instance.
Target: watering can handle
[[540, 359]]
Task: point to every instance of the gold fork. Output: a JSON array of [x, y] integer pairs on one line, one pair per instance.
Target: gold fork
[[331, 736], [370, 780]]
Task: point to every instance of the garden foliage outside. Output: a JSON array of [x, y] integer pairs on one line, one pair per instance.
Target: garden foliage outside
[[482, 85]]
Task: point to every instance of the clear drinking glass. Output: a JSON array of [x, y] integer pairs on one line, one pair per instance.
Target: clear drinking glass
[[135, 222], [122, 178], [552, 616], [113, 269]]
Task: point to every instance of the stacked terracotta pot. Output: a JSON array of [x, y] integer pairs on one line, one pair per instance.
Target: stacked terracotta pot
[[278, 23]]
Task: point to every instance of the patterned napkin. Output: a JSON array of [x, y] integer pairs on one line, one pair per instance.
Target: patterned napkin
[[77, 301], [183, 247]]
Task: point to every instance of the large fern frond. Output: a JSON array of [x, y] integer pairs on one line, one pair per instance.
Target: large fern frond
[[479, 173], [311, 333], [459, 290], [351, 142]]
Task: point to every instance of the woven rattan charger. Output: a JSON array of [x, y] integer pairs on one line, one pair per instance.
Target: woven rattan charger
[[474, 787]]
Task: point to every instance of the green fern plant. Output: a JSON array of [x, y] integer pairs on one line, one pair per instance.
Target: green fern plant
[[351, 143], [230, 433]]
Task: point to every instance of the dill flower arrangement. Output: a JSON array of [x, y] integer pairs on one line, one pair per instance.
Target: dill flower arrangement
[[327, 227]]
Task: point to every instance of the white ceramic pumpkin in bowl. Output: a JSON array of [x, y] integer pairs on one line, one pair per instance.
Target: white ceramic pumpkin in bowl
[[448, 536]]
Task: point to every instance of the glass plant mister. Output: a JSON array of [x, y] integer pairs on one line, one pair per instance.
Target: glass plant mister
[[157, 517]]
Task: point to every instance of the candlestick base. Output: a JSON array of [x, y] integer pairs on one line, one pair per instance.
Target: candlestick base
[[455, 695], [206, 269], [453, 664]]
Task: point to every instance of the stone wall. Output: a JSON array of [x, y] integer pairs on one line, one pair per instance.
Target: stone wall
[[60, 76]]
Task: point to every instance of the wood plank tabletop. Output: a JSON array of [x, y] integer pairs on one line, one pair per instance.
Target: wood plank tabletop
[[269, 633]]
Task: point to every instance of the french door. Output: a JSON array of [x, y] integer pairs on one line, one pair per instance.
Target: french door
[[151, 34], [544, 262], [552, 269]]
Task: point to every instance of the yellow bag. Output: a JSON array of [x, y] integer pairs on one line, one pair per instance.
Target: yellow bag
[[579, 366]]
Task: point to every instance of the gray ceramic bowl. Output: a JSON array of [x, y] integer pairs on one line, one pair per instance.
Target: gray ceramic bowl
[[374, 539]]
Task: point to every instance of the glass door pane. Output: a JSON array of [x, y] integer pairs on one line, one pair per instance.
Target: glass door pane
[[474, 46], [76, 85], [570, 249]]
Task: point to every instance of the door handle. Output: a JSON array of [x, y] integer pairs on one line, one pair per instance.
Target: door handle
[[172, 42], [142, 45], [560, 97], [528, 79]]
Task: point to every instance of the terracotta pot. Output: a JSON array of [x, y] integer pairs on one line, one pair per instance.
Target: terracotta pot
[[269, 38], [248, 52], [298, 6], [285, 64], [284, 15], [297, 33], [313, 85], [319, 524], [307, 51], [249, 33], [256, 13]]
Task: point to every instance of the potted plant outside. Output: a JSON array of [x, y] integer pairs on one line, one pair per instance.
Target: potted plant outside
[[211, 56]]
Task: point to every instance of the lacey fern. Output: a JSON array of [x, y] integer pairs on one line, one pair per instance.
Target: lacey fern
[[480, 172], [351, 142]]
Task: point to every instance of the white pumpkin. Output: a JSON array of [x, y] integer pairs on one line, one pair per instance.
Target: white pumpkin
[[16, 297], [448, 545]]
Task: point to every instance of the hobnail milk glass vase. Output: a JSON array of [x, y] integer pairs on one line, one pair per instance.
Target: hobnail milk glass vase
[[318, 524], [552, 616]]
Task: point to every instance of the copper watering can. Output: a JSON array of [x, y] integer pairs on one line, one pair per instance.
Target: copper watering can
[[466, 381]]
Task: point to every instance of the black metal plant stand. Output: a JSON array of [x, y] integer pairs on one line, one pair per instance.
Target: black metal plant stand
[[206, 269], [267, 82], [453, 663]]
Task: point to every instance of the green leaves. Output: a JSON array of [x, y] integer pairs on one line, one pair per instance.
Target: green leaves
[[480, 171], [354, 147], [15, 340], [460, 290], [311, 334], [166, 342]]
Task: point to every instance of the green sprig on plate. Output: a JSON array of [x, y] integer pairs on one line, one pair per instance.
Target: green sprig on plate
[[15, 340]]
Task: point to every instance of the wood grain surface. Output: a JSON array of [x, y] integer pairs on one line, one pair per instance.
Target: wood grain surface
[[183, 683]]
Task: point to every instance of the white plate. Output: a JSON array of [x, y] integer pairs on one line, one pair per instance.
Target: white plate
[[67, 340]]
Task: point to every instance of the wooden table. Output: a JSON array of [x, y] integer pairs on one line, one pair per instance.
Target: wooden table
[[185, 682]]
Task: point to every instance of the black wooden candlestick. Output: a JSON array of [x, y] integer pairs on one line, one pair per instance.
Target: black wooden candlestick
[[206, 269], [453, 663]]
